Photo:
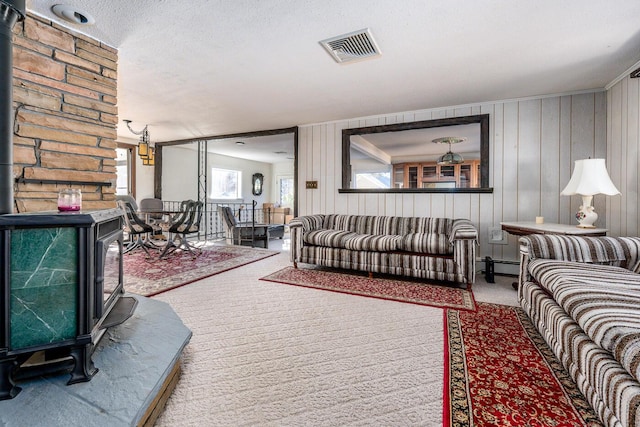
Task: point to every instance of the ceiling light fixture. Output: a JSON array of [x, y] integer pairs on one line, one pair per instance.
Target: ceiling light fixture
[[449, 158], [73, 15], [145, 150]]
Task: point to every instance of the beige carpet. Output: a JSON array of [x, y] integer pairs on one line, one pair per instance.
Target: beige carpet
[[271, 355]]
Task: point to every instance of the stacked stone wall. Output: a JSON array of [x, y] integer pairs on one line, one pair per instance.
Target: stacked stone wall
[[65, 101]]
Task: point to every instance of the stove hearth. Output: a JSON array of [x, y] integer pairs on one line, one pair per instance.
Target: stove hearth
[[61, 284]]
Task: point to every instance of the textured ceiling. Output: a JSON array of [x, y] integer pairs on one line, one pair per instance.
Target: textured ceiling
[[214, 67]]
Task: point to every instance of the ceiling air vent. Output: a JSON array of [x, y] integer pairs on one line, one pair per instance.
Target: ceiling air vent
[[352, 47]]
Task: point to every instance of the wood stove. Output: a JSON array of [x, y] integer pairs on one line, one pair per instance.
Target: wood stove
[[61, 286]]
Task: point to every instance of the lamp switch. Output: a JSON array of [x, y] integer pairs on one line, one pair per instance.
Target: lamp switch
[[497, 236]]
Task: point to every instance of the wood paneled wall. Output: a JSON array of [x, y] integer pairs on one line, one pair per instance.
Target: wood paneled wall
[[533, 144], [623, 156]]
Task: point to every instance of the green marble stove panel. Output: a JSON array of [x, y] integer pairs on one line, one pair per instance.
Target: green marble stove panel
[[44, 285]]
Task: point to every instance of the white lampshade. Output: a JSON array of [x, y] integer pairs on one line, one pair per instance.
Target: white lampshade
[[590, 177]]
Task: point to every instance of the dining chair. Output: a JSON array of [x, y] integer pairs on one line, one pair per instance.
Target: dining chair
[[136, 228], [152, 210], [244, 233], [183, 225]]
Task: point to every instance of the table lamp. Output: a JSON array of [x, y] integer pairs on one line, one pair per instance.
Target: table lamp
[[589, 177]]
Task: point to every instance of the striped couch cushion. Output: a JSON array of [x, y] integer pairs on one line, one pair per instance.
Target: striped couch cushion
[[430, 243], [329, 238], [390, 225], [602, 299], [619, 251], [372, 242], [611, 391]]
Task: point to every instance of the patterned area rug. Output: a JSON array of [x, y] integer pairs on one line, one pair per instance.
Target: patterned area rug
[[151, 276], [390, 289], [500, 372]]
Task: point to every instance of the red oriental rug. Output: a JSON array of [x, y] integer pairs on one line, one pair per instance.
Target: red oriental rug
[[499, 371], [415, 292], [151, 276]]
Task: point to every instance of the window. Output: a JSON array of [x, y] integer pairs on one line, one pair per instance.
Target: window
[[125, 170], [285, 195], [225, 184], [373, 179]]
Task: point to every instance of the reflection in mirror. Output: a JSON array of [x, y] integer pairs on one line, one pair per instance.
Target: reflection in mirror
[[443, 155]]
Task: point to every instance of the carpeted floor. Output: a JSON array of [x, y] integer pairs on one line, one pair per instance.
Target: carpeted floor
[[151, 276], [272, 355]]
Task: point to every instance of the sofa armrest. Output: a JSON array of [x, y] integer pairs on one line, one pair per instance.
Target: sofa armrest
[[298, 226], [464, 237], [463, 229], [619, 251]]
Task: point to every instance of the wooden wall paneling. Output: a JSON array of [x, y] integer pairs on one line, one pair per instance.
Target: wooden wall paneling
[[399, 199], [461, 206], [303, 155], [326, 168], [438, 208], [615, 218], [615, 214], [407, 204], [632, 164], [549, 159], [510, 170], [565, 211], [422, 115], [390, 204], [332, 170], [308, 170], [316, 167], [370, 204], [529, 120], [314, 134], [623, 147], [496, 167], [382, 204], [486, 206], [600, 149], [582, 137], [610, 112], [461, 111]]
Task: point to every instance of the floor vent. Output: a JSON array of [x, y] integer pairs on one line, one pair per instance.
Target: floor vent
[[352, 47]]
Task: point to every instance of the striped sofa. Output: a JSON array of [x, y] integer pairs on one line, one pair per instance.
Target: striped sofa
[[430, 248], [583, 295]]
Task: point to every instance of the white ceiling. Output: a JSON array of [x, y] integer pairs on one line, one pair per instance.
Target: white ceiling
[[214, 67]]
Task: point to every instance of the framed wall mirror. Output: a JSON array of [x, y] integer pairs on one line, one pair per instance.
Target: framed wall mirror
[[432, 156], [257, 180]]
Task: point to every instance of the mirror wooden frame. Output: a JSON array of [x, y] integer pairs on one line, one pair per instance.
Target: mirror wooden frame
[[482, 119]]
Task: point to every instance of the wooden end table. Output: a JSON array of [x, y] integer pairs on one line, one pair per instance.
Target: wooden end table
[[524, 228]]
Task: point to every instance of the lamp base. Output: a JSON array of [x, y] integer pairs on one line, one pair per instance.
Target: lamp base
[[586, 216], [585, 226]]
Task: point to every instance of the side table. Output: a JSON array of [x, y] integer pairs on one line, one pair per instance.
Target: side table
[[524, 228]]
